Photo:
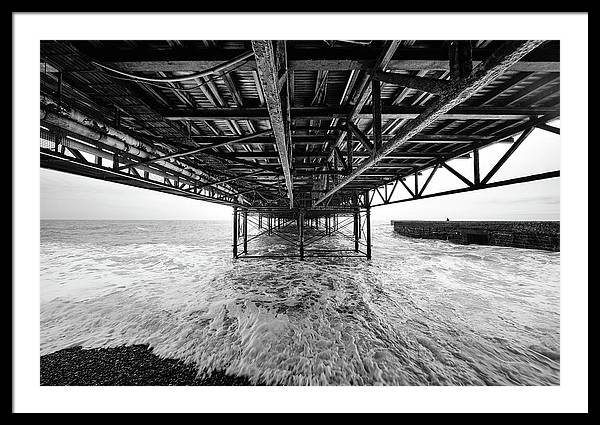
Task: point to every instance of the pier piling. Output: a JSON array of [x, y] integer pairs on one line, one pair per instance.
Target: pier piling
[[301, 234], [235, 232], [245, 229], [368, 225]]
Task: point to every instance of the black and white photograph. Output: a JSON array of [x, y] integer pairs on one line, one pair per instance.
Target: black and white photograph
[[330, 217]]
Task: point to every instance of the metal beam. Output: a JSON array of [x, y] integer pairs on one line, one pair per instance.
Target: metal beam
[[56, 161], [350, 153], [197, 150], [460, 90], [119, 141], [476, 171], [506, 136], [362, 137], [376, 102], [320, 155], [430, 85], [530, 178], [333, 59], [549, 128], [305, 139], [461, 59], [341, 112], [382, 62], [435, 167], [242, 177], [268, 72], [341, 158], [406, 187]]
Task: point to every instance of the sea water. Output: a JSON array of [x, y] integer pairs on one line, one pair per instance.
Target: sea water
[[421, 312]]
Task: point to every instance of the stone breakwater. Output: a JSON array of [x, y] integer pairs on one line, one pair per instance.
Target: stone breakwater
[[519, 234]]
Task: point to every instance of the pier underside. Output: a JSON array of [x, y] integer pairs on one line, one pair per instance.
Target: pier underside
[[301, 138]]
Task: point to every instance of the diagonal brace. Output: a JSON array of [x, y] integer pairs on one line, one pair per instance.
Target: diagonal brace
[[362, 137], [459, 91], [457, 174], [507, 155]]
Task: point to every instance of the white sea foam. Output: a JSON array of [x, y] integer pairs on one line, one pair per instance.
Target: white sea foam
[[421, 312]]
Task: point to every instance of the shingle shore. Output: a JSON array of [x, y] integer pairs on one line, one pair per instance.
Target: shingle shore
[[125, 365]]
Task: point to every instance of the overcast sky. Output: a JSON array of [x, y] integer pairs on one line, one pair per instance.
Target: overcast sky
[[66, 196]]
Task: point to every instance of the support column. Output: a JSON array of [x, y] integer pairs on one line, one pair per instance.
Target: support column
[[476, 176], [461, 59], [245, 228], [57, 140], [416, 183], [376, 101], [301, 234], [356, 222], [359, 224], [356, 230], [235, 232], [59, 89], [368, 224], [349, 152], [269, 225]]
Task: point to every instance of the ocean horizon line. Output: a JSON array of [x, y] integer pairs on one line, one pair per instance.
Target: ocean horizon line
[[227, 220]]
